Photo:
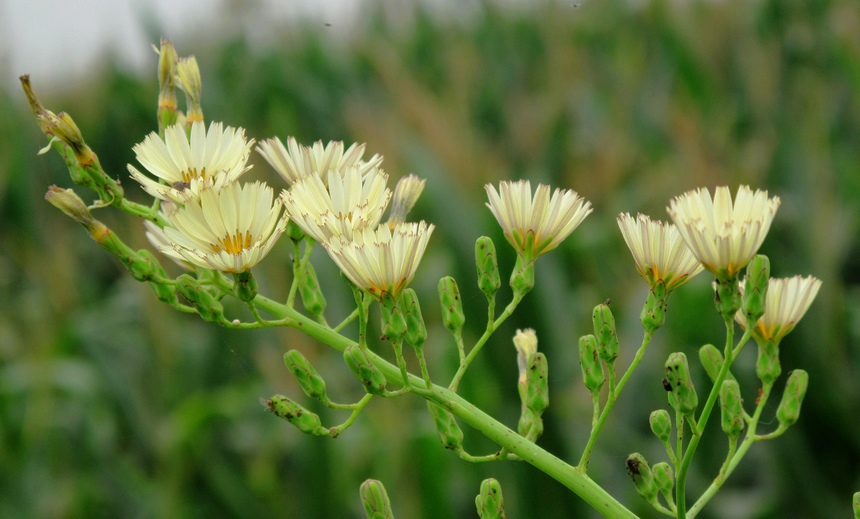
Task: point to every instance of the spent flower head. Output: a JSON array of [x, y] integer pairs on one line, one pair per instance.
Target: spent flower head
[[525, 342], [722, 234], [535, 224], [658, 250], [185, 166], [295, 161], [352, 201], [229, 229], [406, 193], [787, 301], [382, 260]]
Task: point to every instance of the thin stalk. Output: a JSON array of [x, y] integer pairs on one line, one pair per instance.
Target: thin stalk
[[358, 407]]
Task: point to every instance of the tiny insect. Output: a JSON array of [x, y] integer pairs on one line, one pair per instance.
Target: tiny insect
[[666, 385], [181, 185], [633, 467]]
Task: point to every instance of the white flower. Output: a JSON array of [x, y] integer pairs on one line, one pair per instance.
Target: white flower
[[787, 301], [211, 158], [295, 161], [659, 251], [352, 201], [382, 260], [230, 229], [724, 236], [535, 225]]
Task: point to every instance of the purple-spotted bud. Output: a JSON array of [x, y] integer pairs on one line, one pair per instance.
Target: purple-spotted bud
[[523, 276], [678, 378], [653, 314], [416, 330], [732, 409], [642, 476], [309, 289], [301, 418], [446, 425], [537, 393], [488, 267], [206, 304], [361, 366], [306, 375], [452, 306], [754, 293], [489, 501], [375, 500], [393, 320], [792, 398], [245, 286], [604, 331], [767, 366], [727, 296], [589, 360]]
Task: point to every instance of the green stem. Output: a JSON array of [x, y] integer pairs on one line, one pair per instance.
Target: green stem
[[357, 408], [397, 344], [297, 273]]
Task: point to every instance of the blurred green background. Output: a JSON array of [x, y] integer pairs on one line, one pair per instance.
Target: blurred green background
[[113, 405]]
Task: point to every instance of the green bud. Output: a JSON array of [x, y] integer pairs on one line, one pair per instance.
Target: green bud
[[244, 286], [727, 297], [604, 331], [416, 330], [653, 313], [643, 479], [731, 404], [712, 360], [678, 378], [592, 370], [452, 307], [767, 366], [165, 293], [294, 232], [207, 306], [856, 503], [304, 420], [661, 425], [375, 500], [358, 362], [664, 477], [755, 288], [537, 395], [309, 289], [393, 321], [488, 267], [489, 502], [446, 425], [523, 276], [795, 389], [306, 375]]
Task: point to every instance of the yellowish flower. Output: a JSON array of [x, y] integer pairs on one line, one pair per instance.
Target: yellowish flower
[[658, 250], [352, 201], [723, 235], [186, 166], [787, 301], [295, 161], [230, 229], [381, 261], [535, 225]]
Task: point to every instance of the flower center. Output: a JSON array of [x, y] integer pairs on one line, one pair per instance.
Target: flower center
[[233, 243]]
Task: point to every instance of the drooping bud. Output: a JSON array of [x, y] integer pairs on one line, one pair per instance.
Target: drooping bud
[[306, 375], [678, 378], [406, 193], [375, 500], [244, 286], [449, 431], [592, 370], [523, 276], [416, 330], [488, 266], [301, 418], [795, 389], [755, 288], [727, 296], [188, 79], [67, 201], [643, 479], [309, 289], [489, 501], [653, 313], [767, 366], [358, 362], [537, 395], [452, 306], [604, 331], [393, 320], [732, 409], [664, 477], [661, 425], [65, 129]]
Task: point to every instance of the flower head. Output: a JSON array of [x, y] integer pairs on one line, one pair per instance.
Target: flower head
[[787, 301], [230, 229], [352, 201], [383, 260], [723, 235], [535, 225], [525, 342], [659, 251], [295, 161], [186, 166]]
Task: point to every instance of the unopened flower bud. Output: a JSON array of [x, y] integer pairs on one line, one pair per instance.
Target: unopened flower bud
[[643, 479], [306, 375], [489, 501], [452, 307], [732, 410], [727, 297], [795, 389], [360, 364], [65, 129], [416, 330], [294, 232], [664, 477], [712, 360], [523, 276], [661, 425], [167, 59], [488, 266], [206, 304], [375, 500], [604, 331], [245, 286], [767, 366], [537, 395], [309, 289], [592, 370], [653, 313], [166, 293], [67, 201], [678, 378], [406, 193], [856, 502], [446, 425], [304, 420], [754, 293], [393, 321]]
